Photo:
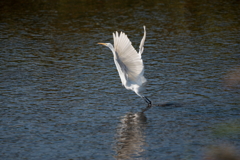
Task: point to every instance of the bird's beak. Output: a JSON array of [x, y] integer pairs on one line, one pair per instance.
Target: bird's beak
[[103, 44]]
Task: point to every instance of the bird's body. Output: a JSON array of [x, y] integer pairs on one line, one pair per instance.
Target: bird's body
[[129, 63]]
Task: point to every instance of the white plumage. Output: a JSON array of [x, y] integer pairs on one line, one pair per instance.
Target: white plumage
[[129, 63]]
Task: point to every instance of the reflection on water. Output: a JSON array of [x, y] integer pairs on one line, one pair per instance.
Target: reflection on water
[[130, 136], [232, 79]]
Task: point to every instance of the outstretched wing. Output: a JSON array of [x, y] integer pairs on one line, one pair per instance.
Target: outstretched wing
[[141, 48], [128, 59]]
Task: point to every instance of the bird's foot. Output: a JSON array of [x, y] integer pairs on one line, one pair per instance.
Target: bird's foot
[[147, 108], [148, 102]]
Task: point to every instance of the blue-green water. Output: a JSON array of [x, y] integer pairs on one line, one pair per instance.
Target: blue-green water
[[61, 96]]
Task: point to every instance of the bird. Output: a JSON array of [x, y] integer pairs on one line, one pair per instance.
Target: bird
[[129, 63]]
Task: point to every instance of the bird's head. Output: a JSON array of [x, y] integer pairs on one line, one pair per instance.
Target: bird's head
[[109, 45]]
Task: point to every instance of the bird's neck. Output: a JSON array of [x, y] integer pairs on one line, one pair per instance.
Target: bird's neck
[[113, 51]]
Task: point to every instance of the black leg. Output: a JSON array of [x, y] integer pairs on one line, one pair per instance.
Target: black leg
[[148, 102]]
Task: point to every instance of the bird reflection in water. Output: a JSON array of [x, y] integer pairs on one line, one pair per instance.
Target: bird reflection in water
[[130, 136]]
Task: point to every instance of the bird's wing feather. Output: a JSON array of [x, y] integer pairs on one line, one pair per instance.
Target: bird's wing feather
[[129, 60], [141, 48]]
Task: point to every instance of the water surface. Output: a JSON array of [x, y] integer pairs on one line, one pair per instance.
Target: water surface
[[61, 96]]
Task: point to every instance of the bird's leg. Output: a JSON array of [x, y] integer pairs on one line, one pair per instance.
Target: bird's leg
[[148, 102]]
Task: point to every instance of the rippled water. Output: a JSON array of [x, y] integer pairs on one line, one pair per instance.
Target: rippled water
[[61, 96]]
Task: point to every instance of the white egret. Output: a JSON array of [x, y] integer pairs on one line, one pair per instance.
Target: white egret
[[129, 63]]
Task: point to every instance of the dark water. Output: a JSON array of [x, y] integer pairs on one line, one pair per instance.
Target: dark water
[[61, 96]]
